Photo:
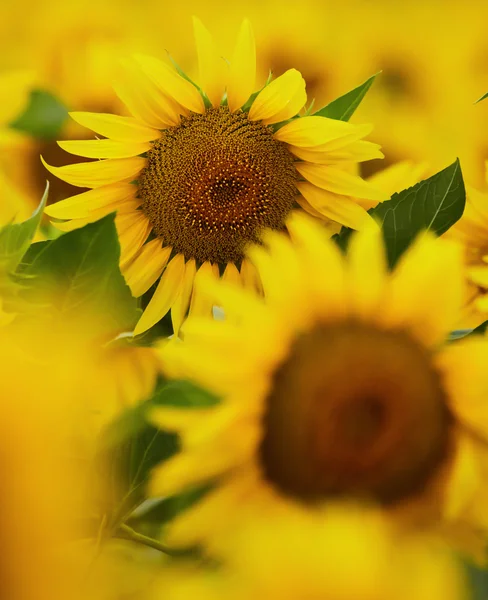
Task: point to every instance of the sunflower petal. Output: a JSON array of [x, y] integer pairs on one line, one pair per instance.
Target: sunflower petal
[[231, 274], [82, 205], [426, 290], [146, 267], [133, 230], [98, 173], [283, 95], [164, 296], [242, 75], [359, 151], [210, 64], [201, 304], [250, 277], [320, 132], [171, 83], [121, 129], [367, 272], [144, 100], [104, 148], [337, 181], [180, 307], [338, 208]]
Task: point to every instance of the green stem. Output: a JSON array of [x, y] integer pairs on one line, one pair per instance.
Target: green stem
[[127, 533]]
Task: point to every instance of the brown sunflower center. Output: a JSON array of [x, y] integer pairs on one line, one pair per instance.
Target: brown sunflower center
[[354, 411], [214, 182]]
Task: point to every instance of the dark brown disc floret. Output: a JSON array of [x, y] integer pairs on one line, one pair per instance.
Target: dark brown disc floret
[[214, 182], [355, 411]]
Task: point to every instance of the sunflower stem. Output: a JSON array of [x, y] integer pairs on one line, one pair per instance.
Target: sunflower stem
[[127, 533]]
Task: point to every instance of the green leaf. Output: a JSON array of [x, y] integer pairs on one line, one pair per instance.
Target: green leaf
[[165, 510], [79, 272], [44, 116], [183, 394], [343, 108], [482, 98], [16, 238], [434, 204], [131, 447], [128, 468]]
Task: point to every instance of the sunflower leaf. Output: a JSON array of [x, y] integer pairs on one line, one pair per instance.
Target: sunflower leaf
[[78, 274], [44, 116], [343, 108], [15, 238], [482, 98], [434, 204]]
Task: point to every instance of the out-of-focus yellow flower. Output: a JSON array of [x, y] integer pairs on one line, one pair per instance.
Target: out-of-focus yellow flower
[[472, 231], [15, 88], [210, 175], [340, 553], [340, 385], [42, 446]]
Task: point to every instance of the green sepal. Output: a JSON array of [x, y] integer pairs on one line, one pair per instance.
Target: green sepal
[[15, 238], [343, 108]]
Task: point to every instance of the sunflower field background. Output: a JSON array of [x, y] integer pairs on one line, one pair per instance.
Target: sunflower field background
[[243, 300]]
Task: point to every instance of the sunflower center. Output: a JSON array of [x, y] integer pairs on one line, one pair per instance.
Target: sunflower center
[[354, 411], [214, 182]]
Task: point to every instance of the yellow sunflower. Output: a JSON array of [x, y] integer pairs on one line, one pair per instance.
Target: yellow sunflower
[[313, 556], [195, 176], [339, 386], [472, 231]]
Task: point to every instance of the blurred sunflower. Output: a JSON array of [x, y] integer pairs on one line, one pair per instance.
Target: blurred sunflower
[[15, 88], [200, 174], [313, 556], [342, 388], [472, 231]]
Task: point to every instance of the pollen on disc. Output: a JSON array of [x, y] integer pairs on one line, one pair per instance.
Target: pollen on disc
[[214, 182]]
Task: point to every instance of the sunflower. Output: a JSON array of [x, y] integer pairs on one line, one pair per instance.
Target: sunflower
[[339, 386], [313, 556], [472, 231], [195, 176], [15, 87]]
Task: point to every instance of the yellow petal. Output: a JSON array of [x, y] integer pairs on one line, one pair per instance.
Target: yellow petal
[[367, 272], [358, 151], [104, 148], [164, 295], [250, 277], [98, 173], [284, 94], [146, 267], [338, 208], [464, 373], [180, 307], [133, 230], [313, 131], [121, 129], [337, 181], [231, 274], [464, 479], [81, 205], [201, 304], [144, 100], [317, 253], [210, 64], [426, 290], [171, 83], [242, 74]]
